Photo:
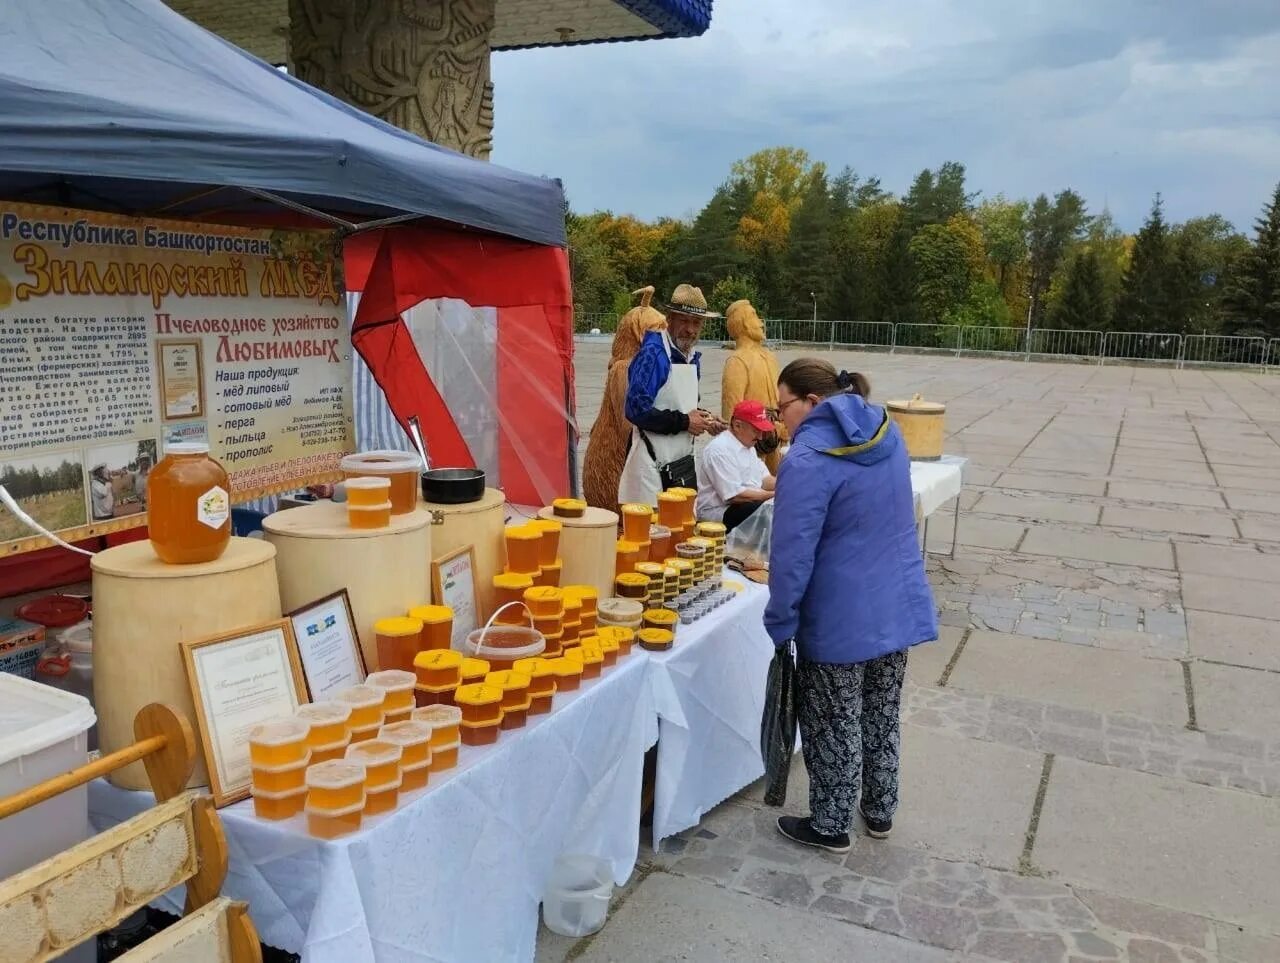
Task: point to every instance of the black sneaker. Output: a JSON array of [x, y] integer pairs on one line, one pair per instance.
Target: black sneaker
[[800, 829], [877, 828]]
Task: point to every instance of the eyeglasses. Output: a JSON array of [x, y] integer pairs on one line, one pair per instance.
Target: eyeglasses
[[790, 401]]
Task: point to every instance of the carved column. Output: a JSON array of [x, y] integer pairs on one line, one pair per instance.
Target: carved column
[[422, 65]]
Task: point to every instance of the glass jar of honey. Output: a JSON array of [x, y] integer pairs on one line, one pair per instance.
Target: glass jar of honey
[[189, 506]]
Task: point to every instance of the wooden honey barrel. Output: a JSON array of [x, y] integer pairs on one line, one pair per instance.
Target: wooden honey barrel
[[386, 571], [587, 548], [478, 524], [143, 609], [922, 423]]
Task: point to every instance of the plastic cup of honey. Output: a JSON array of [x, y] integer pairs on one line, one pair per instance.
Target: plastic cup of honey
[[523, 546], [398, 640], [549, 546], [278, 804], [334, 823], [335, 785], [285, 778], [329, 722], [414, 778], [366, 706], [384, 799], [443, 721], [568, 673], [437, 626], [414, 740], [381, 761], [369, 516], [587, 595], [569, 507], [367, 491], [544, 601], [279, 743], [438, 670], [397, 690]]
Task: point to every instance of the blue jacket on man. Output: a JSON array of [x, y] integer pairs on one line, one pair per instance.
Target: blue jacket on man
[[846, 576], [646, 374]]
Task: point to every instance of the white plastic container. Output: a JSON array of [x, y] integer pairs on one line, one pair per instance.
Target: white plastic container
[[43, 733], [576, 902]]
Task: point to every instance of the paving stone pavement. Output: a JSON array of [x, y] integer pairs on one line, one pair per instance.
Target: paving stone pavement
[[1091, 763]]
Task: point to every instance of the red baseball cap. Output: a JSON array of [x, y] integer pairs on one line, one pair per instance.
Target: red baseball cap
[[753, 413]]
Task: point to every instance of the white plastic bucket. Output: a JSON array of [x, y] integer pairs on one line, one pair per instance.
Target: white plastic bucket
[[576, 902]]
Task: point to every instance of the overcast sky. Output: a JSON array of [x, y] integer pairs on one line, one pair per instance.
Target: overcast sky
[[1115, 98]]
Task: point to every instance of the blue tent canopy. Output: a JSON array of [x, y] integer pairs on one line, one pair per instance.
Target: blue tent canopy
[[128, 107]]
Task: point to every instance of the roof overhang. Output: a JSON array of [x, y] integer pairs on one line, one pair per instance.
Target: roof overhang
[[520, 25]]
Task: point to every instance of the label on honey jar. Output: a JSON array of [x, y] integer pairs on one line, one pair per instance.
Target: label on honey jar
[[213, 507]]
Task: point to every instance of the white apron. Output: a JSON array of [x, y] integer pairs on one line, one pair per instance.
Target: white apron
[[640, 481]]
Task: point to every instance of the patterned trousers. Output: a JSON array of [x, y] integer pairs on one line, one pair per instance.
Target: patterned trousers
[[848, 717]]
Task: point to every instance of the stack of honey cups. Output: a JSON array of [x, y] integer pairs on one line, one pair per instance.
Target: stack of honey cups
[[329, 729], [545, 604], [516, 704], [279, 755], [671, 513], [626, 555], [446, 733], [524, 550], [509, 587], [414, 740], [368, 502], [716, 532], [655, 572], [365, 703], [684, 572], [589, 598], [335, 798], [670, 583], [572, 620], [687, 520], [617, 637], [481, 706], [542, 682], [697, 555], [549, 564], [589, 655], [381, 762], [438, 674], [397, 688]]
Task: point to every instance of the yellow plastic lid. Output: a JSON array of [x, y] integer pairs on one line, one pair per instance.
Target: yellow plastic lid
[[672, 495], [281, 731], [661, 617], [682, 565], [523, 533], [572, 607], [368, 482], [633, 579], [615, 633], [473, 668], [607, 643], [711, 529], [398, 627], [651, 569], [512, 580], [477, 694], [439, 659], [374, 752], [508, 679], [406, 733], [581, 592], [565, 666], [590, 652], [707, 543], [543, 593], [437, 717], [635, 508], [625, 548], [361, 696], [535, 668], [391, 680], [655, 637], [335, 774], [431, 614], [323, 713], [685, 493], [545, 525]]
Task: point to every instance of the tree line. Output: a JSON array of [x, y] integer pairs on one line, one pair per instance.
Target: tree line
[[26, 481], [801, 243]]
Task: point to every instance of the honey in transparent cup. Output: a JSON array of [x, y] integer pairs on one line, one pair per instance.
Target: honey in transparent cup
[[609, 649], [481, 704], [414, 740], [626, 555], [414, 778], [285, 778], [368, 517], [381, 761], [551, 574], [401, 715], [523, 543], [188, 500], [622, 637], [335, 785], [365, 734], [480, 734], [659, 542], [396, 686], [549, 626], [671, 510], [443, 721], [278, 804], [510, 587], [279, 743], [635, 522], [439, 668], [445, 758], [333, 823], [398, 642], [568, 673], [330, 753], [587, 595], [474, 670], [367, 490], [544, 601], [401, 468], [549, 546], [329, 722], [690, 496], [383, 799], [437, 626], [366, 706]]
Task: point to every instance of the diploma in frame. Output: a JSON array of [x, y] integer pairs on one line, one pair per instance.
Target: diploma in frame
[[328, 647], [240, 680]]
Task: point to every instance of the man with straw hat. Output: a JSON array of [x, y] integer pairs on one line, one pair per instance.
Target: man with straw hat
[[662, 403]]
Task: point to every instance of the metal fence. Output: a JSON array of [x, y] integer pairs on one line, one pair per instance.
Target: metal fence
[[1129, 347]]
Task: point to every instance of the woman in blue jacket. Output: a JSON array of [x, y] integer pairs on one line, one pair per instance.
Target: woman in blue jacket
[[847, 584]]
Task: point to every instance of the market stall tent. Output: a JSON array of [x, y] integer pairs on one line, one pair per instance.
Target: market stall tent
[[129, 108]]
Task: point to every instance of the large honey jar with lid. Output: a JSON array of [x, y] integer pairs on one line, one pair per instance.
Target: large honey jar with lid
[[189, 506]]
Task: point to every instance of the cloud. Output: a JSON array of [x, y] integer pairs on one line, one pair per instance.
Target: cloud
[[1116, 99]]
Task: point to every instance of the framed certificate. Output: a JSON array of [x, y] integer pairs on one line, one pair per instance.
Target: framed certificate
[[328, 647], [453, 583], [181, 380], [239, 680]]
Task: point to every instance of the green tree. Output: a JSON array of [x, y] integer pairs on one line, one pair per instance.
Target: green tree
[[595, 278], [709, 250], [730, 289], [1147, 295], [1004, 233], [1083, 304], [943, 263], [1051, 230], [1253, 291], [865, 285], [935, 197], [811, 255]]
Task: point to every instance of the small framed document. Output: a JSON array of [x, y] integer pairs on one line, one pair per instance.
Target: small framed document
[[181, 380], [453, 583], [239, 680], [328, 647]]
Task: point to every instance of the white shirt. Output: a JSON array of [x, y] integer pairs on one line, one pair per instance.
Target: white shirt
[[726, 467]]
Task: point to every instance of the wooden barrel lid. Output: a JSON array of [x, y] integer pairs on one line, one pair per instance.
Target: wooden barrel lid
[[139, 560], [591, 518], [916, 406], [329, 520], [491, 499]]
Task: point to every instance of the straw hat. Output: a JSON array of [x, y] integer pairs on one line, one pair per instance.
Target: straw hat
[[686, 299]]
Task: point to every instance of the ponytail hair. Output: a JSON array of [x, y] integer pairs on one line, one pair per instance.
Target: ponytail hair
[[816, 376]]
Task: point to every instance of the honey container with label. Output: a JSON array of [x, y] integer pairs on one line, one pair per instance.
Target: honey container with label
[[329, 723], [515, 696], [333, 823], [366, 706], [278, 804], [188, 504], [381, 761], [397, 640], [279, 743], [335, 785], [396, 687], [549, 546], [284, 778], [568, 673], [635, 522], [569, 507], [626, 554], [400, 468], [364, 491], [437, 626], [365, 517], [542, 683], [523, 543]]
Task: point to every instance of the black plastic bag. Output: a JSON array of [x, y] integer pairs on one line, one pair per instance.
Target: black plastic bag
[[778, 725]]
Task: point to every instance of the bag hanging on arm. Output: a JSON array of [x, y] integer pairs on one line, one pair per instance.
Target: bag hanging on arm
[[680, 473]]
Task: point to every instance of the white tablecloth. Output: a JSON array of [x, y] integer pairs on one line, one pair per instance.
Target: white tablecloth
[[709, 695], [935, 483], [457, 873]]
